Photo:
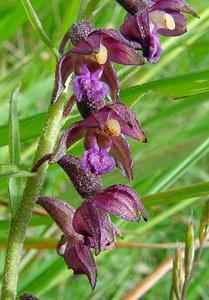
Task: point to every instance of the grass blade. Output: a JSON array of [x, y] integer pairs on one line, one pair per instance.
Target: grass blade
[[174, 195], [15, 186], [177, 87], [35, 22], [171, 175]]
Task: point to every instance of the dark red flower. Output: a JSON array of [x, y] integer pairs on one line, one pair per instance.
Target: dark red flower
[[105, 129], [91, 218], [148, 18], [93, 53], [72, 246]]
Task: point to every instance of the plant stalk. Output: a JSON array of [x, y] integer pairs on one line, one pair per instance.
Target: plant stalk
[[23, 213]]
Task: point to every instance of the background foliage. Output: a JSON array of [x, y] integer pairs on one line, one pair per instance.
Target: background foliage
[[171, 170]]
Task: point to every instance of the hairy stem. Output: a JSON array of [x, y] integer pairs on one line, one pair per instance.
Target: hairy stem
[[23, 214]]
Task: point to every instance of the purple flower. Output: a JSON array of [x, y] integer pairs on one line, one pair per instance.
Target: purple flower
[[148, 18], [90, 225], [89, 91], [72, 246], [78, 257], [155, 48], [97, 160], [87, 86], [107, 127], [94, 51], [91, 218]]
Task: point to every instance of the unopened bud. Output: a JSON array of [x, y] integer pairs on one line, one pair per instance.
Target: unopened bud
[[204, 221], [181, 273], [86, 184], [176, 267], [112, 127], [79, 31], [27, 296], [190, 250]]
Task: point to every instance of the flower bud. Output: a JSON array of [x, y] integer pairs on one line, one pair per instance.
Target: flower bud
[[204, 221], [27, 296], [86, 184], [176, 267], [79, 31], [189, 250], [181, 273]]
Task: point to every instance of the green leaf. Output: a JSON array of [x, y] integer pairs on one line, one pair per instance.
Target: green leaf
[[12, 11], [166, 214], [36, 23], [175, 195], [88, 8], [170, 175], [55, 271], [177, 87], [14, 134], [32, 243], [14, 171], [16, 183], [30, 128], [195, 289], [34, 222]]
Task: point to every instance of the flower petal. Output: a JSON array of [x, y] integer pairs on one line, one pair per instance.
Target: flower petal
[[95, 224], [155, 48], [128, 122], [88, 86], [121, 153], [97, 161], [175, 5], [121, 201], [131, 193], [60, 211], [98, 120], [78, 257], [109, 75], [180, 25], [86, 221], [136, 28], [90, 45], [63, 70], [70, 136], [120, 52]]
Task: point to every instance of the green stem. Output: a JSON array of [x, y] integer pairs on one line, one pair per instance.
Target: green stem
[[23, 214]]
